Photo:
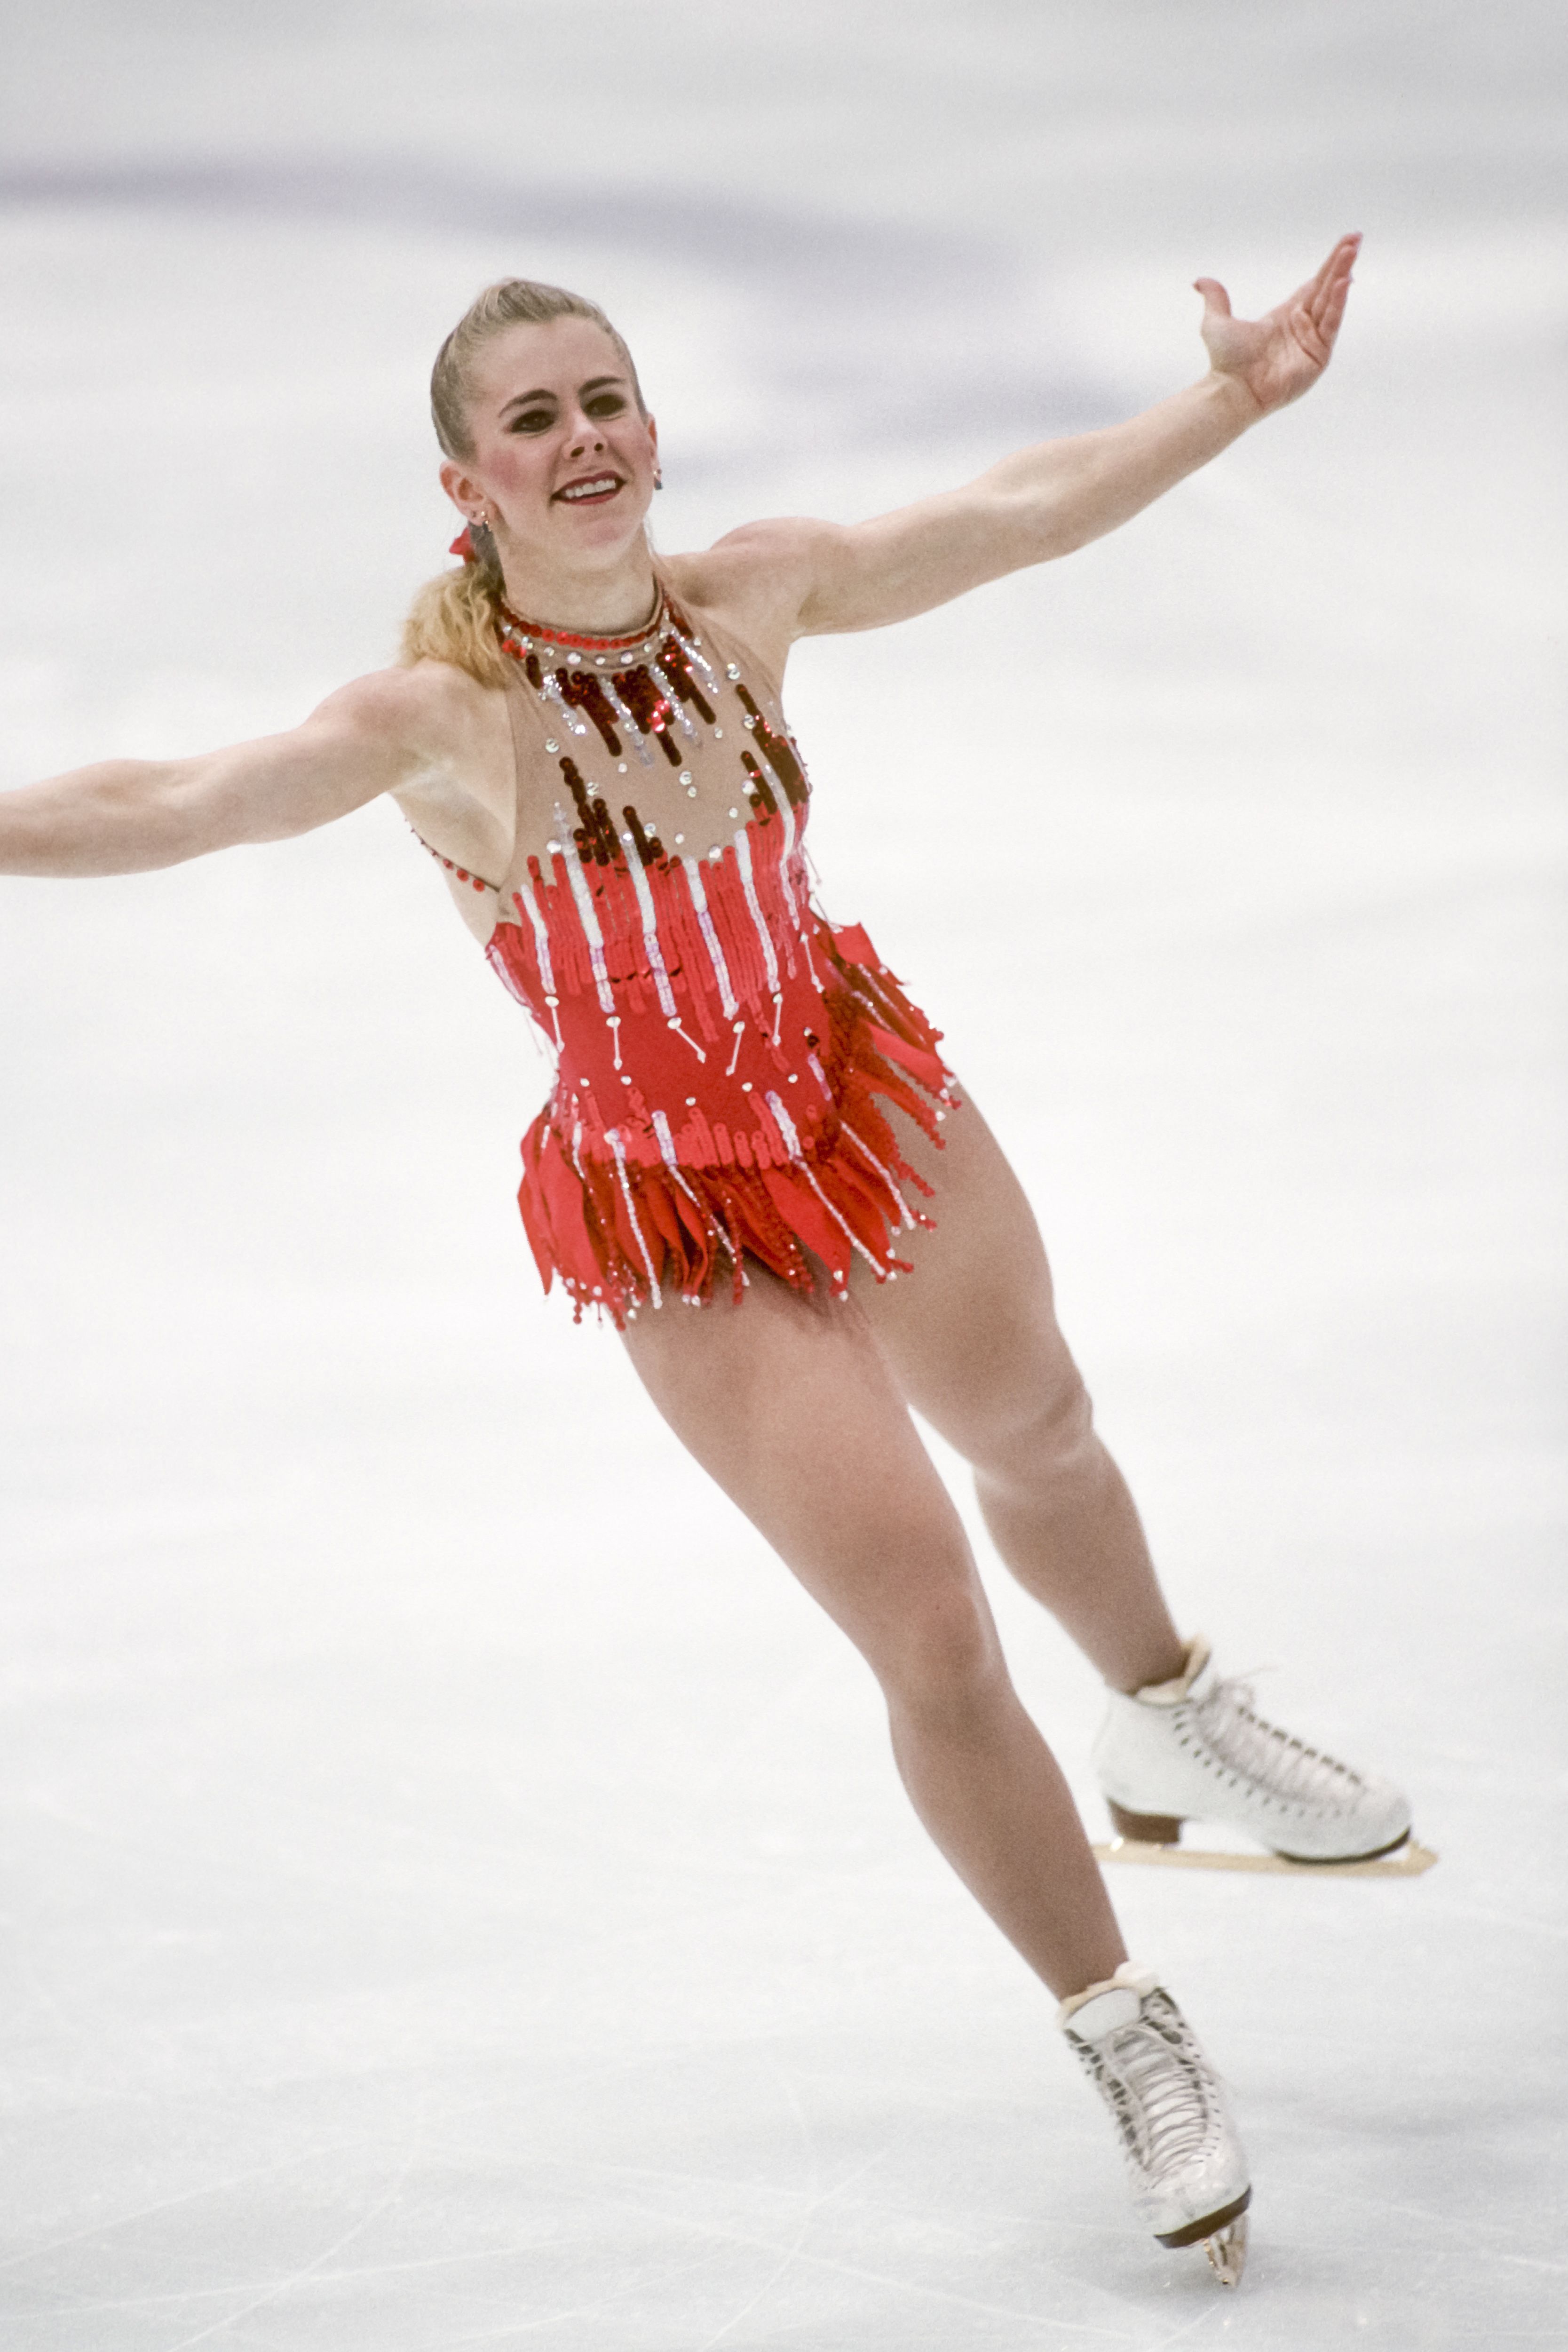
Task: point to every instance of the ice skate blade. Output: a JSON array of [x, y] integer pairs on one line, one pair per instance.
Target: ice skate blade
[[1226, 2252], [1408, 1860]]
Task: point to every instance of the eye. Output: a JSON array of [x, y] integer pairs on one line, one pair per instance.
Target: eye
[[532, 420], [605, 404]]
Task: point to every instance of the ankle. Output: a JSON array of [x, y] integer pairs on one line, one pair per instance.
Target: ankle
[[1163, 1661]]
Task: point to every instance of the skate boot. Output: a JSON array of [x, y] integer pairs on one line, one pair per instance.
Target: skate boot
[[1189, 2177], [1194, 1750]]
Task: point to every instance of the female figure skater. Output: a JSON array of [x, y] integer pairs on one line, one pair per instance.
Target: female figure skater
[[750, 1122]]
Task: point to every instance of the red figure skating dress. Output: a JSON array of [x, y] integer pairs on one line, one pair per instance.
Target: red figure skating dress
[[723, 1051]]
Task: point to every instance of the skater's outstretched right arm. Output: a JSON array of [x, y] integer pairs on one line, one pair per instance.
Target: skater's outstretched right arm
[[381, 733]]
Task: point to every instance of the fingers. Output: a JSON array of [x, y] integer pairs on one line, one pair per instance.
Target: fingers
[[1327, 285], [1340, 258], [1327, 313], [1334, 272], [1333, 281], [1313, 314], [1331, 288], [1310, 337]]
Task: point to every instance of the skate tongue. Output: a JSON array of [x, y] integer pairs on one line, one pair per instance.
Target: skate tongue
[[1106, 2012], [1104, 2008]]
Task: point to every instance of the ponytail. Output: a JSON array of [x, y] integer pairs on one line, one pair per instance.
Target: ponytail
[[453, 619]]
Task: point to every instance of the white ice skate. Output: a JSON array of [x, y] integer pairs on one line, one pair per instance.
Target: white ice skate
[[1194, 1750], [1190, 2183]]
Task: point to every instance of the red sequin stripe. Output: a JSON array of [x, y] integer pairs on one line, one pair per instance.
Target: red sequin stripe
[[676, 665], [650, 848], [595, 836], [649, 707], [582, 688], [584, 645], [620, 916], [777, 749], [760, 792]]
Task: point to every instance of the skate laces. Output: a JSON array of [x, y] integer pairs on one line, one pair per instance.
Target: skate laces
[[1154, 2079], [1262, 1751]]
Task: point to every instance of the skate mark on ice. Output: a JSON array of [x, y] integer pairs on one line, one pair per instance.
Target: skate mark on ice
[[1215, 2311], [654, 2274], [1476, 2228], [379, 2206], [184, 2197], [820, 2200], [343, 2276], [836, 2267], [816, 2197], [974, 2237]]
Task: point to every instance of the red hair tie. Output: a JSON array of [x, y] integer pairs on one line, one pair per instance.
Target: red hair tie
[[462, 545]]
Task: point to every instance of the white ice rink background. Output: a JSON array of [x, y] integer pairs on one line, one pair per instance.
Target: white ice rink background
[[456, 1891]]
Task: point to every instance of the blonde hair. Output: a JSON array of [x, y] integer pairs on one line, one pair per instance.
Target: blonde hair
[[453, 617]]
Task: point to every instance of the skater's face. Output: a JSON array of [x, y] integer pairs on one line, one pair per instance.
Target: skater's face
[[563, 458]]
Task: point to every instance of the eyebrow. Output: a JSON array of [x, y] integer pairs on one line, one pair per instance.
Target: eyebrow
[[594, 383]]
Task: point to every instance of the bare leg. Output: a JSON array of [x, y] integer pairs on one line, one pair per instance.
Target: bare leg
[[972, 1340], [790, 1407]]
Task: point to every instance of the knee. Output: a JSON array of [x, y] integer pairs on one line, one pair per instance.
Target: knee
[[1043, 1436], [945, 1669]]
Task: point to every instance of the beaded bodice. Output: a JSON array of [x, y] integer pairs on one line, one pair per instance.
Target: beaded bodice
[[656, 917], [722, 1053], [656, 744]]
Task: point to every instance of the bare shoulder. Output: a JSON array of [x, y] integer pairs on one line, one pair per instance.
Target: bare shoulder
[[456, 783], [439, 739], [758, 579], [426, 708]]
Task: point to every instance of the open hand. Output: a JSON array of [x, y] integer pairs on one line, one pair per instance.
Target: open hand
[[1282, 354]]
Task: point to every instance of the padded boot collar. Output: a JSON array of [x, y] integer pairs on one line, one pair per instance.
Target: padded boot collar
[[1182, 1687], [1101, 2009]]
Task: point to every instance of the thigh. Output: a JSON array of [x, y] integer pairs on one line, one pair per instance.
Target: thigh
[[971, 1336], [790, 1403]]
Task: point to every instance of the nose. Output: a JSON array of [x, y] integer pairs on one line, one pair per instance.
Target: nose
[[585, 435]]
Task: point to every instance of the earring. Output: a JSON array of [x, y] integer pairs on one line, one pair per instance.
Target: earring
[[659, 481]]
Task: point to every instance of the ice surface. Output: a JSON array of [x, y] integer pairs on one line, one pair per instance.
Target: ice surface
[[456, 1890]]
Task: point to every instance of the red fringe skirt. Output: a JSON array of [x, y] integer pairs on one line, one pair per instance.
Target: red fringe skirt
[[618, 1233]]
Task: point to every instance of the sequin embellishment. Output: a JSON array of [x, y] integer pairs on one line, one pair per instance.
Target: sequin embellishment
[[687, 996]]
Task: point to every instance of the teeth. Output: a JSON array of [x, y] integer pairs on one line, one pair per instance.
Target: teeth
[[591, 490]]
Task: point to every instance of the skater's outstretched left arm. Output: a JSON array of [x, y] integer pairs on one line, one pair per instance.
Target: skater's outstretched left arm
[[815, 578]]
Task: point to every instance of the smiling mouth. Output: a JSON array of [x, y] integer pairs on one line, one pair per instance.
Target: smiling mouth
[[590, 492]]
